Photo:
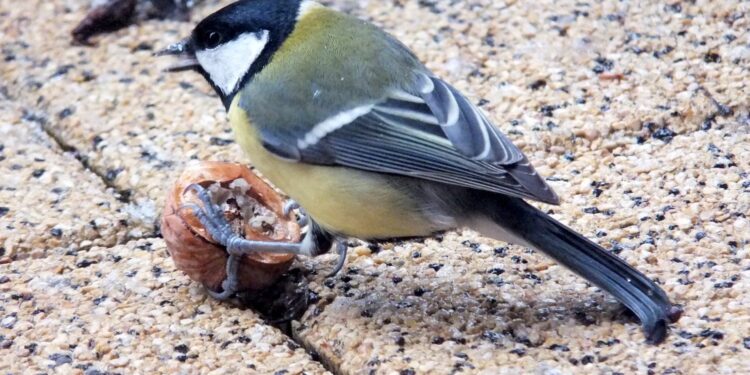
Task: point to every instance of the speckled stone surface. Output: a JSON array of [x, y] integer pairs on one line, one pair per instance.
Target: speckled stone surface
[[134, 124], [481, 306], [48, 200], [636, 110], [125, 309]]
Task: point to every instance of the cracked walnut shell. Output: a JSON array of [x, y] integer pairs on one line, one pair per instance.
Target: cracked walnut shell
[[252, 208]]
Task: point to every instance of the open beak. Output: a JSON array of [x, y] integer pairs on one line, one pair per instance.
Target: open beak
[[185, 51]]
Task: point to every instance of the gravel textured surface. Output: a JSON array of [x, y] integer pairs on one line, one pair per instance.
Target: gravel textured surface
[[636, 110], [48, 200], [125, 309]]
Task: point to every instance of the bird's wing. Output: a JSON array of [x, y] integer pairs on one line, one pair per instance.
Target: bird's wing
[[429, 131]]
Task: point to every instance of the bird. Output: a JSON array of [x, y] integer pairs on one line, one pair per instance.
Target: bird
[[372, 145]]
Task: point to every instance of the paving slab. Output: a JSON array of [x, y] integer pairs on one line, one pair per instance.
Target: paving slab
[[610, 99], [112, 104], [571, 76], [126, 310], [469, 304], [48, 200]]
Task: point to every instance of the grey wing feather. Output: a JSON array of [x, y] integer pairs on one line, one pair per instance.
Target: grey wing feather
[[432, 133], [465, 125]]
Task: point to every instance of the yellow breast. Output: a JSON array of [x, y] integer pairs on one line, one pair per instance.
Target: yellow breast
[[346, 201]]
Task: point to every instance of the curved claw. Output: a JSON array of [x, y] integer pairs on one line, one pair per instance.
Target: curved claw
[[230, 284], [341, 250], [291, 205]]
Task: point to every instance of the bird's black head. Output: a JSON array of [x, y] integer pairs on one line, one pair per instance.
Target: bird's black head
[[230, 46]]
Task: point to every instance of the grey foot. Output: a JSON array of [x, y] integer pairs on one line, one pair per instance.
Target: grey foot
[[212, 218]]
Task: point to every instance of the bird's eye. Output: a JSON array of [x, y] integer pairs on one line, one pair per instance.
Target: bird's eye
[[213, 39]]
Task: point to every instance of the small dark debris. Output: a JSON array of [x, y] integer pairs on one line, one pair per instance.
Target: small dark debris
[[65, 113], [559, 348], [419, 292], [746, 342], [182, 348], [591, 210], [724, 285], [519, 352], [4, 211], [437, 340], [664, 51], [38, 173], [712, 57], [538, 84], [603, 65], [496, 271], [56, 232], [408, 371], [85, 263], [585, 360], [548, 110], [664, 134], [709, 333], [435, 266], [396, 279], [31, 347]]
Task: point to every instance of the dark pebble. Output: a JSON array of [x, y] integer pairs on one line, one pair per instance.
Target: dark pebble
[[85, 263], [60, 359], [559, 348], [38, 173], [182, 348], [4, 211], [664, 134], [712, 57], [538, 84]]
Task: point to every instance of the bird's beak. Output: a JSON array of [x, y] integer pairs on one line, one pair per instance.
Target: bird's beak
[[183, 50]]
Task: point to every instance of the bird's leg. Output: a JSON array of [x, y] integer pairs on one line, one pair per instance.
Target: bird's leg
[[341, 246], [212, 218]]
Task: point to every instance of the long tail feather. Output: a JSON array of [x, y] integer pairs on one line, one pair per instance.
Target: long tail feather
[[519, 221]]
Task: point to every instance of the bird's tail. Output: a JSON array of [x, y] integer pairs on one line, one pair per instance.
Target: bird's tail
[[517, 221]]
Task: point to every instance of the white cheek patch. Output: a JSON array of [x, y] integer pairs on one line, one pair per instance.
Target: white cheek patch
[[228, 63]]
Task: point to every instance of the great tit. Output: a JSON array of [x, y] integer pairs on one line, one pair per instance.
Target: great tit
[[347, 121]]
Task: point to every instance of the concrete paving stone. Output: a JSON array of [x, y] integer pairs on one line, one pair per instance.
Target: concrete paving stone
[[112, 104], [572, 76], [48, 200], [607, 93], [126, 310], [472, 304]]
